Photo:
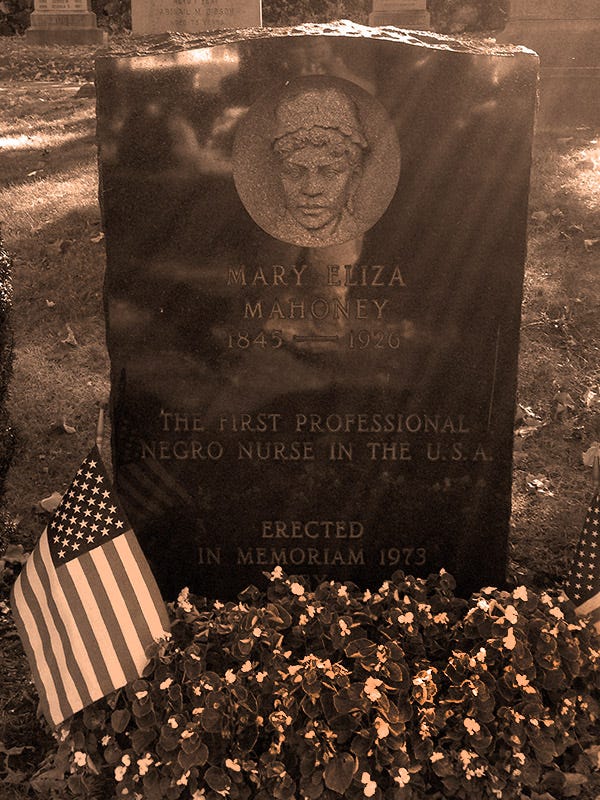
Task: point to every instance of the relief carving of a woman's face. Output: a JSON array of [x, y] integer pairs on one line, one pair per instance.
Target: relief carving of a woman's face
[[327, 184], [320, 145]]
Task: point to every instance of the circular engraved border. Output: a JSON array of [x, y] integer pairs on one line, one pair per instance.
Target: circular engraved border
[[256, 172]]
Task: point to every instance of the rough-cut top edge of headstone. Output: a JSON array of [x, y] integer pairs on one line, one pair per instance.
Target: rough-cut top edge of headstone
[[173, 42]]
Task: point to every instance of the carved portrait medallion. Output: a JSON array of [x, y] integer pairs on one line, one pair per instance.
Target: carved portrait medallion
[[317, 162]]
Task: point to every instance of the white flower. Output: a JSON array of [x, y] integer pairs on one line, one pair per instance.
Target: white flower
[[509, 640], [441, 618], [297, 589], [277, 574], [382, 728], [556, 612], [260, 676], [520, 757], [230, 676], [166, 683], [232, 765], [120, 773], [309, 735], [141, 695], [218, 605], [184, 779], [511, 615], [471, 725], [183, 600], [173, 722], [406, 619], [436, 757], [246, 666], [126, 759], [106, 740], [370, 786], [344, 629], [144, 763], [403, 776], [302, 620], [483, 604], [343, 591], [367, 596], [522, 680], [370, 689], [520, 593], [257, 632], [465, 757], [80, 758]]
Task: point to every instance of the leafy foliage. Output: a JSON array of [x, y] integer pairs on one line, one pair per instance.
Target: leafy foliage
[[406, 693]]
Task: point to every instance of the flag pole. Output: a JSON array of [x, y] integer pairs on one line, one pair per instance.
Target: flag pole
[[596, 473], [100, 429]]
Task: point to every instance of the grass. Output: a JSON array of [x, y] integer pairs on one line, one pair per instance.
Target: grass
[[51, 224]]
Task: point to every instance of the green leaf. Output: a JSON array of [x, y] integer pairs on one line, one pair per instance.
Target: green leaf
[[339, 772], [141, 740], [217, 779], [120, 720]]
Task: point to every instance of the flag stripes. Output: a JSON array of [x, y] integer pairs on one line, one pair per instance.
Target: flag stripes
[[86, 603], [149, 490]]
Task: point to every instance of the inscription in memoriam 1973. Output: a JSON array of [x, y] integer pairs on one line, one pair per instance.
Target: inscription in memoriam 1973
[[315, 245]]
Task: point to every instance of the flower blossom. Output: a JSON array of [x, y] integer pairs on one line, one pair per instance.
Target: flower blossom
[[371, 690], [403, 776], [183, 600], [144, 763], [370, 785], [382, 728], [471, 725], [520, 593]]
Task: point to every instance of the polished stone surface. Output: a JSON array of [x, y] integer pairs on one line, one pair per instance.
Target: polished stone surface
[[315, 244]]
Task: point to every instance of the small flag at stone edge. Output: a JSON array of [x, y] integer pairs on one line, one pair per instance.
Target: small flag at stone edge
[[86, 604], [583, 582]]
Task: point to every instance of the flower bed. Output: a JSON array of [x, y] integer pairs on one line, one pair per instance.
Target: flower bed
[[407, 693]]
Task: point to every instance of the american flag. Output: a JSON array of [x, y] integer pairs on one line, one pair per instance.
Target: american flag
[[86, 604], [583, 582]]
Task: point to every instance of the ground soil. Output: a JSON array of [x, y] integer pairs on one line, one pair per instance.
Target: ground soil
[[51, 224]]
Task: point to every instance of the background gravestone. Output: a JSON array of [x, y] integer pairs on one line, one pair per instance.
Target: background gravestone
[[191, 16], [315, 244], [64, 22], [566, 35], [402, 13]]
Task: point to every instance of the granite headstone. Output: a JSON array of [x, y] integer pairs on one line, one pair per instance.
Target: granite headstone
[[315, 242], [566, 35], [191, 16], [64, 22]]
